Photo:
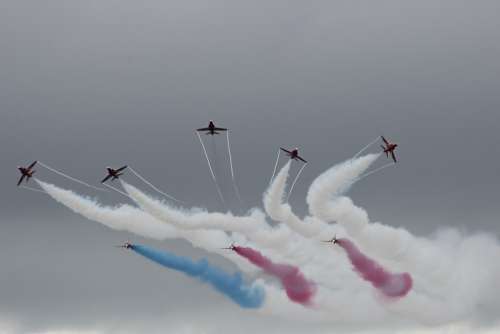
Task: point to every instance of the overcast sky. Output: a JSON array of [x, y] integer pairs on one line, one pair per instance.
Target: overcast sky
[[86, 84]]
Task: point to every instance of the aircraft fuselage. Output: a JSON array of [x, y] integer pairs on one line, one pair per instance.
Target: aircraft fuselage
[[113, 173], [211, 127], [26, 172], [390, 148]]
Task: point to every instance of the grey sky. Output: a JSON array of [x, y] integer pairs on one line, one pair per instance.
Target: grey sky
[[89, 84]]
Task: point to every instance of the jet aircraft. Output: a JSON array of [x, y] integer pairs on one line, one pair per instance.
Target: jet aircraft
[[333, 240], [126, 245], [26, 172], [293, 154], [389, 148], [232, 247], [113, 174], [211, 129]]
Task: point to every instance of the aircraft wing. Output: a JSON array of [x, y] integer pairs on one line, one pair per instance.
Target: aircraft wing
[[220, 129], [20, 180], [106, 178], [385, 140], [121, 168], [301, 159], [393, 156], [287, 151], [203, 129], [32, 165]]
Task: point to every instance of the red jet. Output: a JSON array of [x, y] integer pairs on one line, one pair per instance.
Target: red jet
[[27, 172], [389, 148], [211, 129], [293, 154], [113, 173]]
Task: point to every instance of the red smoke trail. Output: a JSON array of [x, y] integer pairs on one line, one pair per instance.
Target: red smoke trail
[[297, 287], [391, 285]]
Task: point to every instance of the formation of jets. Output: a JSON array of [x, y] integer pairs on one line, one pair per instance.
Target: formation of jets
[[211, 129], [113, 174], [26, 172]]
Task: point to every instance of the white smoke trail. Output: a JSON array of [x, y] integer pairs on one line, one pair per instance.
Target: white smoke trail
[[122, 218], [282, 212], [334, 182], [211, 220], [70, 177], [449, 280], [275, 165], [310, 255], [230, 156], [254, 225], [211, 171], [454, 275], [247, 230], [214, 161], [194, 220], [33, 189], [295, 180], [235, 186], [128, 218], [435, 298], [252, 229], [376, 170], [325, 202], [330, 307], [278, 242], [275, 193], [366, 147], [153, 186], [117, 190]]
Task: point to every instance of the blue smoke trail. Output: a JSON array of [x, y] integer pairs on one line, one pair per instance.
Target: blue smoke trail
[[230, 285]]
